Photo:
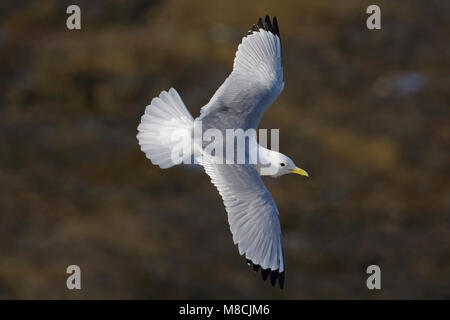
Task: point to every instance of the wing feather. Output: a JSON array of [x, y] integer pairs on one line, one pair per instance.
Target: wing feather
[[255, 82], [252, 214]]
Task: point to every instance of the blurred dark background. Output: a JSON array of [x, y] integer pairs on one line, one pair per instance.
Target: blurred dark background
[[366, 113]]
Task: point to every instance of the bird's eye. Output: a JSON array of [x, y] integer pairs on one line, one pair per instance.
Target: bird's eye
[[282, 164]]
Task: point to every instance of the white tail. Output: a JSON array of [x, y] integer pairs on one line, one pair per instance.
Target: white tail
[[165, 130]]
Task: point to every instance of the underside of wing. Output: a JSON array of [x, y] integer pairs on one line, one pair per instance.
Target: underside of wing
[[252, 215], [255, 82]]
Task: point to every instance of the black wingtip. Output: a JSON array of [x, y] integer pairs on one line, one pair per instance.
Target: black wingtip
[[265, 273], [274, 275], [275, 25], [268, 25], [281, 280], [260, 24]]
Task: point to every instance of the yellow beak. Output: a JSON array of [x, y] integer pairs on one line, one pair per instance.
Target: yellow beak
[[300, 172]]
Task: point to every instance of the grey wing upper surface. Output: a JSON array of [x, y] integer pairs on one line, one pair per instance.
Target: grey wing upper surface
[[255, 82]]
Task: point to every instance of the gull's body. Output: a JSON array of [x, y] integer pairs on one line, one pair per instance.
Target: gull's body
[[239, 103]]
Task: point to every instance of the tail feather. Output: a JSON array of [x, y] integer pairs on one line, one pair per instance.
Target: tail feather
[[165, 130]]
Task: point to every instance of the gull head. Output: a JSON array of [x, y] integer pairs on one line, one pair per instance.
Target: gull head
[[280, 164]]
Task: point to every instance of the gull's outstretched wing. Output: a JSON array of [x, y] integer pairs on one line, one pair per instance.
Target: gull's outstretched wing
[[256, 81], [252, 215]]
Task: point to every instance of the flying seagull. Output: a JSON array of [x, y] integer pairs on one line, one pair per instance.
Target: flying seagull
[[255, 82]]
